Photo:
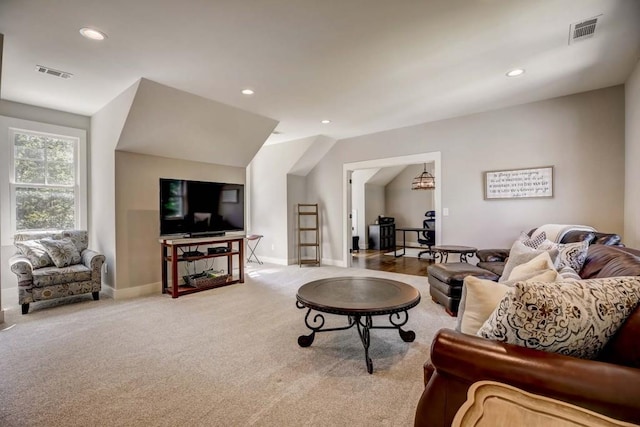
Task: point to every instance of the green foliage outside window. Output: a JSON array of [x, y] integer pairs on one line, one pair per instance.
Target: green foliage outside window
[[44, 208], [47, 164]]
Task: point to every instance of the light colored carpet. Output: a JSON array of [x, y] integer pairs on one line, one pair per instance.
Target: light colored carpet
[[223, 357]]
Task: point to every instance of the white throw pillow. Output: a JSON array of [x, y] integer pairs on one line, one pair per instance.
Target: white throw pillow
[[541, 263], [481, 297], [520, 254]]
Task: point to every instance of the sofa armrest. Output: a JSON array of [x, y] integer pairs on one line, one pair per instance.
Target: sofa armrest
[[492, 255], [93, 260], [23, 268], [460, 360]]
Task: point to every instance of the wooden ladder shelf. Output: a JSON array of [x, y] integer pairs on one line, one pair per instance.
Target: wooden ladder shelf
[[308, 234]]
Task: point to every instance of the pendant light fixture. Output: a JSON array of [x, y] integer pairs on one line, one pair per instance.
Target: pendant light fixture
[[424, 181]]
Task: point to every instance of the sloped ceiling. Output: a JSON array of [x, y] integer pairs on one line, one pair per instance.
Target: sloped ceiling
[[320, 145], [385, 175], [168, 122]]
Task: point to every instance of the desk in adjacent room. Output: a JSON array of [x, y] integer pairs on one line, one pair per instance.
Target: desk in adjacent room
[[404, 238]]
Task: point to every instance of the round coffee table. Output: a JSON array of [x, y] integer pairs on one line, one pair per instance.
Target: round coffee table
[[358, 298], [444, 251]]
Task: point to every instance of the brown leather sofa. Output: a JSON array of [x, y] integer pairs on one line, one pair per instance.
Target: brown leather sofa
[[609, 385], [445, 280], [493, 260]]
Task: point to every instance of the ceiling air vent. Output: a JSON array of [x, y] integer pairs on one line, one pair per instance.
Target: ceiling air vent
[[583, 30], [52, 72]]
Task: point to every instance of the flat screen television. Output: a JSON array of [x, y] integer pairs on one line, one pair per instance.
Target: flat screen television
[[199, 208]]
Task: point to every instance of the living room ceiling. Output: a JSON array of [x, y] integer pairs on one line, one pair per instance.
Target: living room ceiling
[[366, 65]]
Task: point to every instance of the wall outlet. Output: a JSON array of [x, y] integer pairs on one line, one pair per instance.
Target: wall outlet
[[104, 268], [445, 211], [273, 247]]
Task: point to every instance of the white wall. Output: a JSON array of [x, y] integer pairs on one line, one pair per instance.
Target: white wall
[[581, 135], [272, 203], [374, 206], [296, 193], [106, 127], [408, 206], [14, 110], [632, 155], [358, 203]]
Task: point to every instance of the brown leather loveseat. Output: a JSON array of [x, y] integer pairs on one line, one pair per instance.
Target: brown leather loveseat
[[609, 385]]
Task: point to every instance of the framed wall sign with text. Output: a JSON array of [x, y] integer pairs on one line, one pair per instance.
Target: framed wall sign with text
[[519, 183]]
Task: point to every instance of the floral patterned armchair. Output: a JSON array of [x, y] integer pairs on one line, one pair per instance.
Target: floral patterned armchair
[[55, 264]]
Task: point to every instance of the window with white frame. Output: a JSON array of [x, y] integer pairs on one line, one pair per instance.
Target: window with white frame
[[44, 181]]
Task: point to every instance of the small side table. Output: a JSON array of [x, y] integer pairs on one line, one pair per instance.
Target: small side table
[[253, 238], [443, 252]]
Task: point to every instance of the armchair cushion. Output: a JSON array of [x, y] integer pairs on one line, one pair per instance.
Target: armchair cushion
[[36, 253], [63, 252], [573, 318], [54, 275]]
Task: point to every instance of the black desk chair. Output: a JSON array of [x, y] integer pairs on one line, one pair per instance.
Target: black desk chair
[[428, 236]]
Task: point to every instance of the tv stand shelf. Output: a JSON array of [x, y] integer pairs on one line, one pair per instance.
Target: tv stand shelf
[[171, 256]]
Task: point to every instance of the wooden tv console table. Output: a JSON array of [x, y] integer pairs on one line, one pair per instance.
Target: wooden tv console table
[[171, 255]]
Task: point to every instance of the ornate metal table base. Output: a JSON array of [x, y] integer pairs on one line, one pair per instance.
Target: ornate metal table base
[[442, 252], [364, 324]]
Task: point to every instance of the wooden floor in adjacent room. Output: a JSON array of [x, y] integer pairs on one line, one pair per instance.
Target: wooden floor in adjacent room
[[376, 260]]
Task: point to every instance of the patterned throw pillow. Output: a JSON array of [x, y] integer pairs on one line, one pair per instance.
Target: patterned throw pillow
[[35, 252], [575, 319], [63, 252], [569, 255], [568, 274], [532, 242]]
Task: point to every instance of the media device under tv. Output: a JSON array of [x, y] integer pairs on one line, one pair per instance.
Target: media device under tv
[[199, 208]]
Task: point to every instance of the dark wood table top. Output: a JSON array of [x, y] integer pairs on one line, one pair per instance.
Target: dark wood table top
[[455, 249], [358, 295]]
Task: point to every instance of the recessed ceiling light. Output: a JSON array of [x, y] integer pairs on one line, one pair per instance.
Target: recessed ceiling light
[[325, 122], [92, 33], [515, 72], [247, 92]]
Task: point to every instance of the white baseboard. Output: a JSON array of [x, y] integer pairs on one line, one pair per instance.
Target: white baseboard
[[270, 260], [136, 291], [333, 262]]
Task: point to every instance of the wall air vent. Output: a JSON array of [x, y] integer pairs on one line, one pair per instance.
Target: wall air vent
[[583, 30], [52, 72]]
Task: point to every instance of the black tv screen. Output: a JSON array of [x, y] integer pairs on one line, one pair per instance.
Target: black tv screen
[[198, 208]]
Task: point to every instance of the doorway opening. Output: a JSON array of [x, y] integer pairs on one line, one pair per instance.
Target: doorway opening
[[433, 159]]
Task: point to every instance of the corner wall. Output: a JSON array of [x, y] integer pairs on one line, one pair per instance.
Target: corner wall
[[581, 135], [106, 127], [632, 155]]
